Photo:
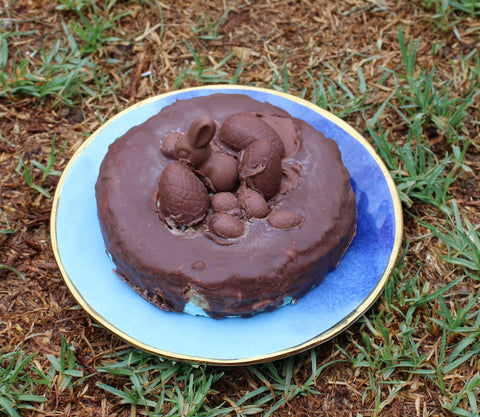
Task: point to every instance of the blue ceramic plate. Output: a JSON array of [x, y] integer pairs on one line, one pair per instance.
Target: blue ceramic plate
[[343, 296]]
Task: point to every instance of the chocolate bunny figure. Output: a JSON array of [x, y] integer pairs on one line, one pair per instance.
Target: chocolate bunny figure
[[221, 169]]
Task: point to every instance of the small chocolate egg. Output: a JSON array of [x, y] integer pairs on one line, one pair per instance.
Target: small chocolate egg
[[224, 202], [225, 225], [285, 220], [253, 203]]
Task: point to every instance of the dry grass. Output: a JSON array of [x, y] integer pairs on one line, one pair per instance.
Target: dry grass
[[397, 361]]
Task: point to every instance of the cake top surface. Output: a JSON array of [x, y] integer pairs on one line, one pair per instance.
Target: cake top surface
[[291, 206]]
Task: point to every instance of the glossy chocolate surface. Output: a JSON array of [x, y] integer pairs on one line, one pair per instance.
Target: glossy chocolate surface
[[254, 271]]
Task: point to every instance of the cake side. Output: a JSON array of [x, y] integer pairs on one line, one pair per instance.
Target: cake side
[[256, 271]]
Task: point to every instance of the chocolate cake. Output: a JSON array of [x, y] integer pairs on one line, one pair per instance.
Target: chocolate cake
[[224, 206]]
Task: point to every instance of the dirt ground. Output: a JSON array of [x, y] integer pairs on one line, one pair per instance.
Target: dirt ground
[[148, 51]]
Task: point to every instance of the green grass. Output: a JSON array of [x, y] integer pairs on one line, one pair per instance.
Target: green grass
[[91, 28], [392, 351], [200, 72], [52, 159], [27, 175], [20, 380], [23, 385], [418, 172], [207, 29], [14, 270], [161, 386], [63, 67], [445, 8], [469, 395], [462, 239], [61, 74], [426, 100], [69, 372], [166, 388], [335, 96], [46, 169]]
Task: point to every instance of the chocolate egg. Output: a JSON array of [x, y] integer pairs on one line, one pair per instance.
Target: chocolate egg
[[285, 220], [183, 197], [225, 225], [241, 129], [225, 202], [260, 167], [253, 203]]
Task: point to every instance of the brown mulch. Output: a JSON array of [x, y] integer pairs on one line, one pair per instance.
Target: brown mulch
[[302, 36]]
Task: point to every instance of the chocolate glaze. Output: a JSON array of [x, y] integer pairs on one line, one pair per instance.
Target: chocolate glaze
[[252, 272]]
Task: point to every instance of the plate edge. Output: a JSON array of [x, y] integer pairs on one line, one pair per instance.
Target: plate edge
[[321, 338]]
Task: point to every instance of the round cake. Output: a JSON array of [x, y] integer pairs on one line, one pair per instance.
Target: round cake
[[224, 206]]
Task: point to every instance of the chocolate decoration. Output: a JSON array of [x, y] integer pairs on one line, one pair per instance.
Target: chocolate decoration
[[260, 167], [220, 169], [201, 131], [286, 130], [242, 129], [194, 145], [183, 197], [168, 144], [225, 203], [235, 276], [253, 203], [284, 220], [225, 225]]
